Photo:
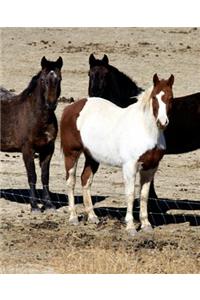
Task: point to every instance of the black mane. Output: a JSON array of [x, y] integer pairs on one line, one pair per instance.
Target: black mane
[[31, 87], [126, 81]]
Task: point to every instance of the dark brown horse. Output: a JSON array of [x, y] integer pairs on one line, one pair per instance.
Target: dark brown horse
[[183, 133], [29, 124]]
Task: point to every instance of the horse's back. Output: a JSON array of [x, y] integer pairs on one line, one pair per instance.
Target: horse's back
[[5, 94], [87, 111], [191, 98], [185, 112], [99, 112]]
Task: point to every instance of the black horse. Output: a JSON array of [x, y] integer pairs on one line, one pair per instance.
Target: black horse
[[29, 124], [183, 132], [108, 82], [182, 135]]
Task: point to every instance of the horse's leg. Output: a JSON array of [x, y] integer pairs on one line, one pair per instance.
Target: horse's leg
[[70, 167], [146, 176], [45, 157], [152, 192], [129, 174], [28, 157], [90, 168]]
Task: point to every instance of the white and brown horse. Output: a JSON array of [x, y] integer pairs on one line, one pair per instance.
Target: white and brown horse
[[128, 137]]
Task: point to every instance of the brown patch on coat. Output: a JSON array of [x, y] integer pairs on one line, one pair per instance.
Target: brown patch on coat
[[71, 142], [70, 135], [151, 158], [90, 167]]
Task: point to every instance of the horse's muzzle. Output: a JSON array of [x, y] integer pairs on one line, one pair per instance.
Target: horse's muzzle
[[161, 125], [51, 106]]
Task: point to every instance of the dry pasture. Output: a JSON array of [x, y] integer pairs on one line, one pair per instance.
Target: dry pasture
[[45, 243]]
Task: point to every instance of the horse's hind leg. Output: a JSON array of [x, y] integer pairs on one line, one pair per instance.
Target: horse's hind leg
[[28, 157], [146, 176], [45, 158], [70, 167], [90, 168], [152, 192]]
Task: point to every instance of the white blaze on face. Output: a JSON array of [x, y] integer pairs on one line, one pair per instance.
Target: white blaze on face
[[162, 113], [53, 73]]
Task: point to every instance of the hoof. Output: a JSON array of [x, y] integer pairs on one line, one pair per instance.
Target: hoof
[[46, 208], [35, 210], [132, 232], [147, 228], [93, 220], [73, 221]]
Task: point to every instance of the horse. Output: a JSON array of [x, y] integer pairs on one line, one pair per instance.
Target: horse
[[129, 137], [29, 125], [108, 82], [182, 134]]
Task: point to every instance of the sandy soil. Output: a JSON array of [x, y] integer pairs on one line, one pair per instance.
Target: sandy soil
[[45, 243]]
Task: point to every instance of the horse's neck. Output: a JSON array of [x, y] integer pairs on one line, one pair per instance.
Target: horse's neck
[[121, 88], [113, 89], [148, 119], [39, 105]]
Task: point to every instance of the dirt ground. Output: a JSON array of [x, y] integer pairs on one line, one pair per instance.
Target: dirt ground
[[46, 243]]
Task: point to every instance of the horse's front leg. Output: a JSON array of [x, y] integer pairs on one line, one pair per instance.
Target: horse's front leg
[[28, 157], [129, 174], [45, 157], [146, 177]]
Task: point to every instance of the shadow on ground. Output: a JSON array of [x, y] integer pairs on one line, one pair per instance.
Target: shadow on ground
[[157, 208]]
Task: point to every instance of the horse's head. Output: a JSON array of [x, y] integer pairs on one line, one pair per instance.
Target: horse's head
[[98, 76], [162, 96], [50, 81]]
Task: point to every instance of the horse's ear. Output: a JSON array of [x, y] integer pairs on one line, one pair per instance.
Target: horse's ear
[[105, 59], [59, 62], [171, 80], [155, 79], [43, 62], [92, 60]]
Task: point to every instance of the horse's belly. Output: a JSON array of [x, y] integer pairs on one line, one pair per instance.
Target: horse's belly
[[102, 148], [105, 157], [9, 148], [9, 142]]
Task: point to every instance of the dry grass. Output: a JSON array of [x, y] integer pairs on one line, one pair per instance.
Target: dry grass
[[101, 261], [172, 249]]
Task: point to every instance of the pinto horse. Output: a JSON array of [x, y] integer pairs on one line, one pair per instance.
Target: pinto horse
[[128, 137], [108, 82], [29, 124], [183, 133]]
